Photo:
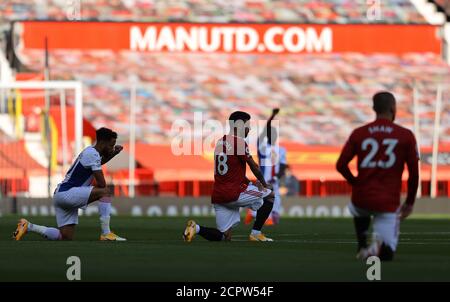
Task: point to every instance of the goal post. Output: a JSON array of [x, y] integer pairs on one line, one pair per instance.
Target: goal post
[[76, 86]]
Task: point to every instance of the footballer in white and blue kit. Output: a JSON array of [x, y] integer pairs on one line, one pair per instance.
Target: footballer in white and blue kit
[[77, 191], [272, 162]]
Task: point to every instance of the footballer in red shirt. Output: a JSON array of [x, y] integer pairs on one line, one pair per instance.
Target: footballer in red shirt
[[232, 190], [382, 149]]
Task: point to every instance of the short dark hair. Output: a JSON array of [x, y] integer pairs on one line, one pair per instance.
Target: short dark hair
[[383, 101], [105, 134], [239, 116]]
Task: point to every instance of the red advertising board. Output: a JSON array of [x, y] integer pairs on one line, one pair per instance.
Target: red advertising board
[[232, 38]]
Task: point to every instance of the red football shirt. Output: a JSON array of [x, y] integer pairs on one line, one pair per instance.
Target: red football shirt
[[229, 169], [382, 149]]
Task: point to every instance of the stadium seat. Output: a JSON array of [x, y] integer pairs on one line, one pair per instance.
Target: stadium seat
[[302, 11]]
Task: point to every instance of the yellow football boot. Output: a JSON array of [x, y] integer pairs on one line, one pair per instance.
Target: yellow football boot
[[189, 232], [21, 229], [259, 237], [111, 237]]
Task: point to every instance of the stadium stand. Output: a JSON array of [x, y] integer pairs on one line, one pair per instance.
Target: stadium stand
[[298, 11], [15, 161], [16, 166], [311, 88]]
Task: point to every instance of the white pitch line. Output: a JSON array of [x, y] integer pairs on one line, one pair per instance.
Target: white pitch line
[[347, 233], [283, 235], [328, 241], [425, 233], [417, 233]]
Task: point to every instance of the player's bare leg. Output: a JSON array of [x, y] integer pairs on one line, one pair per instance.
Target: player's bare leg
[[104, 199], [261, 216], [67, 232], [24, 226]]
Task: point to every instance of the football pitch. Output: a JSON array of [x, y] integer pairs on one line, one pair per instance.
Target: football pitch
[[305, 250]]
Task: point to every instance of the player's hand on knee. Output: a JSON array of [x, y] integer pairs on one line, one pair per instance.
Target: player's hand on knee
[[106, 192], [259, 185]]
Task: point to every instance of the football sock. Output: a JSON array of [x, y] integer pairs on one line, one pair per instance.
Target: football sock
[[104, 208], [361, 227], [197, 229], [46, 232], [255, 232], [52, 234], [386, 253], [262, 214], [210, 234]]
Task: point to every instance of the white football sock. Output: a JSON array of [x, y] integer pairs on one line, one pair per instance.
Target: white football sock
[[255, 232], [46, 232], [197, 228], [35, 228], [104, 208]]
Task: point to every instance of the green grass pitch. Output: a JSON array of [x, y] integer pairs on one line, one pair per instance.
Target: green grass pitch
[[305, 250]]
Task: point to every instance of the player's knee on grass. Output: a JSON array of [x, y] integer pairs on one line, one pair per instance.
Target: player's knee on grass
[[67, 232], [386, 253], [227, 235]]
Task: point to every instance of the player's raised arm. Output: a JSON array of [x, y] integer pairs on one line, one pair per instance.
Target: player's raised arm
[[412, 162], [345, 158], [267, 130]]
